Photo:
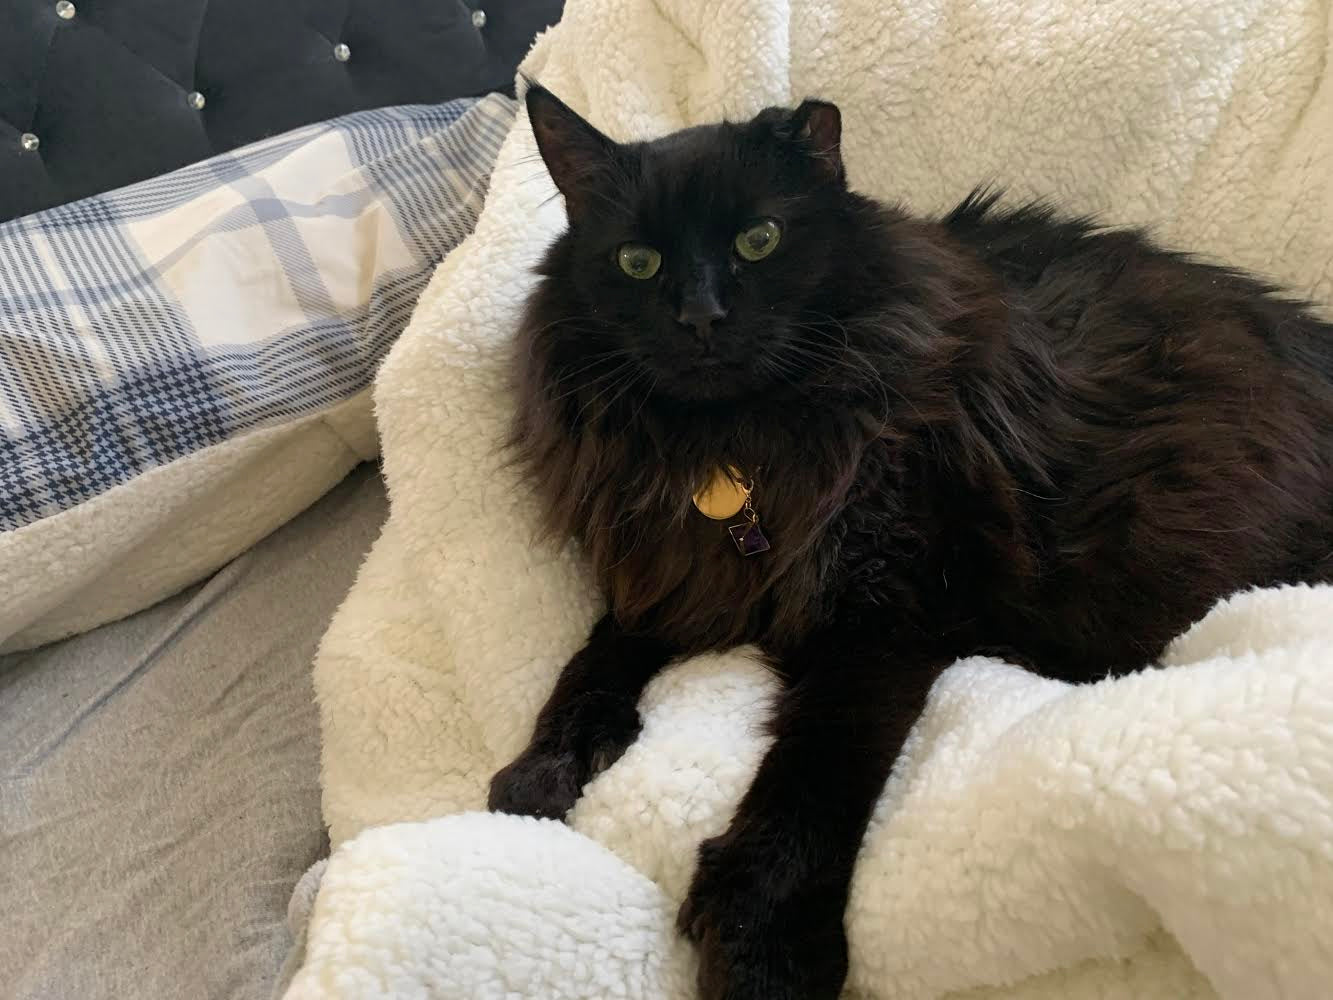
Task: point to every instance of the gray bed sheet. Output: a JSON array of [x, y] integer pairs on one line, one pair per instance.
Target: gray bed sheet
[[159, 791]]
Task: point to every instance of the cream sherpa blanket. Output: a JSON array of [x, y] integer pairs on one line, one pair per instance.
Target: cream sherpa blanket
[[1163, 835]]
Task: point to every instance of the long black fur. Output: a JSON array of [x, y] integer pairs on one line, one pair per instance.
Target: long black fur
[[1002, 430]]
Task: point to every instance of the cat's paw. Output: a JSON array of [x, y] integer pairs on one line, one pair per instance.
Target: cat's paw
[[757, 941], [548, 777], [542, 783]]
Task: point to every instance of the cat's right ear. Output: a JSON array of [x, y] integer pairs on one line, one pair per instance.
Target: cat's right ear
[[576, 154]]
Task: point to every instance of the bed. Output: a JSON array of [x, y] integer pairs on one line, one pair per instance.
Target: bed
[[1163, 835]]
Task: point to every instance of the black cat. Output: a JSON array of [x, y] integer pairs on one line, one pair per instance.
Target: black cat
[[1000, 431]]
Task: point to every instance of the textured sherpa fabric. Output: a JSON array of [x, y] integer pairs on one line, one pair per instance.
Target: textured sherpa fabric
[[1158, 837], [1161, 835]]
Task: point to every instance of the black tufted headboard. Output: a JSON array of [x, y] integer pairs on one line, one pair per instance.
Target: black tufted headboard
[[96, 94]]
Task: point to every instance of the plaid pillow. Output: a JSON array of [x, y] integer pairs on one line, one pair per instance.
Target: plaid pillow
[[257, 287]]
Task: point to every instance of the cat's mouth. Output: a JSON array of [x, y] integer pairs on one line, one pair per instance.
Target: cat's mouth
[[706, 379]]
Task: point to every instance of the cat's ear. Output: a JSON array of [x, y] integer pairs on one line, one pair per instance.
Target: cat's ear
[[576, 154], [817, 127]]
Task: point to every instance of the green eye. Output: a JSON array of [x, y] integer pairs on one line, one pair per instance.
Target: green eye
[[638, 260], [759, 240]]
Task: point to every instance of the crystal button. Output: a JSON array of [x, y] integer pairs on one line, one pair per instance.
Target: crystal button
[[29, 142], [478, 19], [196, 100], [65, 10], [341, 52]]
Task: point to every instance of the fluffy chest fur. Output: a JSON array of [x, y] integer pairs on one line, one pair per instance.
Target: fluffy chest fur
[[626, 494]]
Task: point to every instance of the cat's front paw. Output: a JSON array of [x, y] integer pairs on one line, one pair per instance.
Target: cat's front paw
[[542, 783], [567, 752], [759, 939]]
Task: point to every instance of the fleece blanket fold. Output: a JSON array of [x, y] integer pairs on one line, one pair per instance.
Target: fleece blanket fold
[[1168, 834]]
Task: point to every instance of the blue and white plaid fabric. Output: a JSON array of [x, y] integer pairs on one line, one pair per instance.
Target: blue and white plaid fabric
[[257, 287]]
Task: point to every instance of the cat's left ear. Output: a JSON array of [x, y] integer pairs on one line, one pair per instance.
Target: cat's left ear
[[817, 126]]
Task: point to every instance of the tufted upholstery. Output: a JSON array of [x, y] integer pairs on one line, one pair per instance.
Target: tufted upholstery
[[107, 91]]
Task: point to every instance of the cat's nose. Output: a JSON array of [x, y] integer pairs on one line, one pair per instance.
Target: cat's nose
[[700, 314]]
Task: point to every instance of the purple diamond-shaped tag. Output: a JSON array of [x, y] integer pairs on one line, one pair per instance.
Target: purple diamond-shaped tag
[[748, 538]]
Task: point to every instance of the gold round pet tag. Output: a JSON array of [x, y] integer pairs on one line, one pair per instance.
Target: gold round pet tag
[[722, 496]]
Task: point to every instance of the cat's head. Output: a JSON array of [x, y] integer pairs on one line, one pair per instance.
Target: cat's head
[[697, 257]]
